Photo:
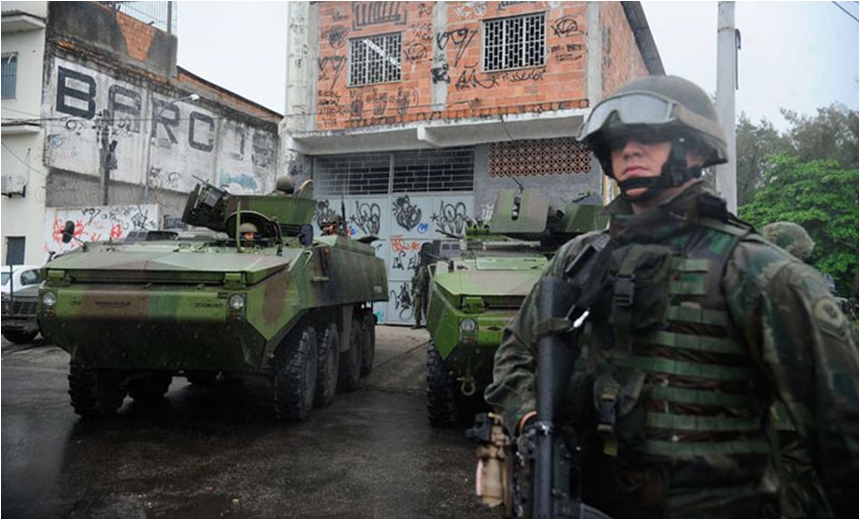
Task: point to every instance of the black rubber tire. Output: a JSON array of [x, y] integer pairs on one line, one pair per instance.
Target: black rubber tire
[[350, 361], [19, 337], [368, 343], [441, 390], [327, 365], [201, 377], [295, 375], [95, 392], [150, 387]]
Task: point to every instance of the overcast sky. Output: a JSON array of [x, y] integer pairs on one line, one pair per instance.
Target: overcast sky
[[796, 55]]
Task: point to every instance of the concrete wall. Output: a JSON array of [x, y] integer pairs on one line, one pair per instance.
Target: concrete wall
[[190, 140], [24, 203]]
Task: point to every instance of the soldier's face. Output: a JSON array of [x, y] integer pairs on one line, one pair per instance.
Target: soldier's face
[[632, 159], [636, 160]]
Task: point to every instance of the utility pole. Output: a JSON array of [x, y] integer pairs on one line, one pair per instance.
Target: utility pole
[[107, 158], [728, 44]]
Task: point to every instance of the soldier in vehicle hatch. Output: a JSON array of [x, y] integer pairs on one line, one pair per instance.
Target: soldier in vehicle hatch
[[696, 325]]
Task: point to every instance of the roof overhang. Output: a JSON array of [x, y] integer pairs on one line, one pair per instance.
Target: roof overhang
[[17, 127], [16, 21], [439, 134]]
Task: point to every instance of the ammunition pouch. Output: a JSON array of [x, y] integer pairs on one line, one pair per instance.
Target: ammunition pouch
[[639, 276]]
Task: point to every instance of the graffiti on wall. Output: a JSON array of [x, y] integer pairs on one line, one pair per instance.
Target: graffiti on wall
[[178, 139], [406, 214], [95, 224], [402, 298], [449, 54], [367, 217], [452, 218]]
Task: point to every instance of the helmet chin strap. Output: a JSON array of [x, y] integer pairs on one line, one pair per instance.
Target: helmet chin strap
[[674, 173]]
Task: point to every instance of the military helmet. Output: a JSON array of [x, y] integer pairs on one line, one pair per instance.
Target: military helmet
[[285, 184], [667, 106], [247, 227], [791, 237]]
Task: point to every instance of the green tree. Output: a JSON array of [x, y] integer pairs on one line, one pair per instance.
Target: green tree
[[821, 196], [755, 143], [831, 135]]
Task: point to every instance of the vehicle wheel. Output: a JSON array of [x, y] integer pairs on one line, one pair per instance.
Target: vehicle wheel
[[95, 392], [201, 377], [350, 361], [295, 375], [328, 364], [19, 337], [150, 387], [368, 343], [441, 390]]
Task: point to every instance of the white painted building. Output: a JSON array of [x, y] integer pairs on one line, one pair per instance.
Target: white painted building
[[23, 171]]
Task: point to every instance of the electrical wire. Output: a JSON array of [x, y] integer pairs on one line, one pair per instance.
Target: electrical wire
[[845, 11], [22, 161]]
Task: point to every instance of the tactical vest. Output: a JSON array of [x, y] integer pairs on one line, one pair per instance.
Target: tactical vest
[[672, 380]]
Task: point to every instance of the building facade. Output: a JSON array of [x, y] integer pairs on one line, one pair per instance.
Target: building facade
[[411, 116], [104, 129]]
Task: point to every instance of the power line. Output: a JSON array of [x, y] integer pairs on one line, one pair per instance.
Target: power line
[[22, 161], [845, 11]]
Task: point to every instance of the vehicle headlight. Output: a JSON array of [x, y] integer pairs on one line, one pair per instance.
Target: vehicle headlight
[[237, 302], [468, 325], [49, 299]]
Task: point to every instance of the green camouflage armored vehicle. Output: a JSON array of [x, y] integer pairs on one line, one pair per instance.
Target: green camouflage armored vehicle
[[254, 295], [478, 284], [19, 315]]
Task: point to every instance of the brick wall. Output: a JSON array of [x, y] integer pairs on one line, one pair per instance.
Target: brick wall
[[444, 51], [622, 60]]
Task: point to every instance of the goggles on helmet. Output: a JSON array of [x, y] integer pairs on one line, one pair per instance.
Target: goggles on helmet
[[631, 108]]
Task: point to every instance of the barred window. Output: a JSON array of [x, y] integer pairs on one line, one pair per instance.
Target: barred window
[[516, 42], [374, 59], [9, 74], [413, 171], [539, 157]]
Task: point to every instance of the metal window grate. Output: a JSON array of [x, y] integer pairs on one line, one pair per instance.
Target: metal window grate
[[516, 42], [9, 75], [451, 169], [539, 157], [414, 171], [375, 59]]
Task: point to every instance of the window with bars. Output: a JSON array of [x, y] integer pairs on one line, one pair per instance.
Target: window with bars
[[10, 74], [515, 42], [412, 171], [374, 59]]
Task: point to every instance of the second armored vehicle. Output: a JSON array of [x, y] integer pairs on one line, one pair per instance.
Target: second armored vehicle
[[478, 284], [259, 297]]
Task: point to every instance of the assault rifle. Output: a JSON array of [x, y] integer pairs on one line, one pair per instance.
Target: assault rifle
[[546, 478]]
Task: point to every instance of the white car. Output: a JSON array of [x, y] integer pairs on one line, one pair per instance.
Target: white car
[[20, 276]]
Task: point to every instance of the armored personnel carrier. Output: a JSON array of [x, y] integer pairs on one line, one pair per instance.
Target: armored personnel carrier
[[478, 283], [254, 295]]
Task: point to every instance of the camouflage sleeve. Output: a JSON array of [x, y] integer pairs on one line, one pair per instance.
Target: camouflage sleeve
[[512, 392], [807, 351]]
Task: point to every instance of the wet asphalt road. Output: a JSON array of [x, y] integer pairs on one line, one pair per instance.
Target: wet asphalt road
[[214, 452]]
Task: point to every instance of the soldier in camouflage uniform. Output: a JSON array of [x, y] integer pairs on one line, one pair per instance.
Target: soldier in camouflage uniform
[[800, 495], [420, 285], [791, 237], [697, 324]]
